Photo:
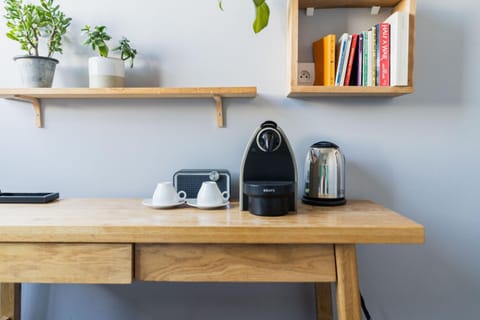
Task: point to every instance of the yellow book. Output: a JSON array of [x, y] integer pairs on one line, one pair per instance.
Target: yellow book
[[324, 59]]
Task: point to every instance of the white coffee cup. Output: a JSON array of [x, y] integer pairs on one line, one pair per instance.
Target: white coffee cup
[[210, 195], [165, 194]]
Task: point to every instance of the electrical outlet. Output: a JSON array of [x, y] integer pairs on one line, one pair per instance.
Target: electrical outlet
[[306, 74]]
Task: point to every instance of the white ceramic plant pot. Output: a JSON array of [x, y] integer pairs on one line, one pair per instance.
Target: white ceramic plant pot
[[106, 72]]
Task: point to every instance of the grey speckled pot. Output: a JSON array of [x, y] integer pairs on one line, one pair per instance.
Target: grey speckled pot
[[36, 72]]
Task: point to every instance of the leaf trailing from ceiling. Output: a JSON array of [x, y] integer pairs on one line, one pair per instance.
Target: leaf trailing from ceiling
[[262, 14]]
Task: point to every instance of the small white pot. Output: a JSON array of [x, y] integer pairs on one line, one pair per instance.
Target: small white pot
[[106, 72]]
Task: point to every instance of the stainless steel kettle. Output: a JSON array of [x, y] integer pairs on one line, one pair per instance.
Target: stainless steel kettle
[[324, 175]]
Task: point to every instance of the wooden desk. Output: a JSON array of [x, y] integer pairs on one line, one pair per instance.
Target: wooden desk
[[120, 241]]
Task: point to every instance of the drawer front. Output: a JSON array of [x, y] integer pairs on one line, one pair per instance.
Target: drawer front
[[66, 263], [232, 263]]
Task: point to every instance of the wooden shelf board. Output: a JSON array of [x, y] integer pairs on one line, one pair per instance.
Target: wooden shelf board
[[34, 95], [319, 91], [129, 93], [323, 4]]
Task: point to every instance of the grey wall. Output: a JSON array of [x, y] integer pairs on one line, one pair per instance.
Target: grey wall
[[417, 154]]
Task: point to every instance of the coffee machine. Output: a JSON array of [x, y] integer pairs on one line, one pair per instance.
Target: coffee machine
[[268, 174]]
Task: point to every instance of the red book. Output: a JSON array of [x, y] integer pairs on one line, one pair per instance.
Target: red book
[[384, 53], [350, 59]]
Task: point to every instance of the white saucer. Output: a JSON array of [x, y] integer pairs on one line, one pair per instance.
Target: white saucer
[[193, 203], [148, 203]]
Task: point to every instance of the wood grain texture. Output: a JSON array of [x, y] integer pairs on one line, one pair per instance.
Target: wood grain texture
[[128, 221], [323, 301], [10, 299], [128, 93], [325, 91], [33, 95], [348, 291], [322, 4], [232, 263], [297, 91], [66, 263], [292, 43]]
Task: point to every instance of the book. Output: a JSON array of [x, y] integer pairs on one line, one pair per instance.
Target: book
[[399, 24], [324, 60], [364, 58], [369, 58], [357, 67], [351, 58], [374, 56], [383, 54], [342, 53], [341, 47], [346, 57]]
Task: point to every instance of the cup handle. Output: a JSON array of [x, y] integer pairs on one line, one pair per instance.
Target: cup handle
[[225, 195], [182, 195]]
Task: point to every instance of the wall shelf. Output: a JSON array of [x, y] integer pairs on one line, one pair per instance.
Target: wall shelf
[[325, 91], [35, 95], [296, 90]]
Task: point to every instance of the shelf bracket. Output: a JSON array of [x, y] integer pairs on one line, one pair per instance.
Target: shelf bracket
[[36, 104], [219, 105]]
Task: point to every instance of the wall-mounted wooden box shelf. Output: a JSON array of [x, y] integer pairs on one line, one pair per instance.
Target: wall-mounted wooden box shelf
[[35, 95], [295, 33]]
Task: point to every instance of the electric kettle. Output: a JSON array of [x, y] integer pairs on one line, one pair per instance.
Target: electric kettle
[[324, 175]]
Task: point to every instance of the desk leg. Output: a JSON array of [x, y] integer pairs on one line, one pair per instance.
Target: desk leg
[[323, 299], [10, 301], [348, 292]]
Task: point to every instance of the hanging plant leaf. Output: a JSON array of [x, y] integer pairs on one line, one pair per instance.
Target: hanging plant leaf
[[262, 14]]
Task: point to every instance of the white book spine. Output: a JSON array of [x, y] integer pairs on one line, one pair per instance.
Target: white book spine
[[399, 28], [345, 59], [342, 43], [369, 59]]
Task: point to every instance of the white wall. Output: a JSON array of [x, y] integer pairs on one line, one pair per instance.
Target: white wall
[[417, 154]]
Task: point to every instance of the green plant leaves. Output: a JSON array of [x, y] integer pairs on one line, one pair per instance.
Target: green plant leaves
[[126, 51], [97, 38], [28, 23], [262, 15]]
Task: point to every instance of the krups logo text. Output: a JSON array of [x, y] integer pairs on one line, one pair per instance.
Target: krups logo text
[[269, 190]]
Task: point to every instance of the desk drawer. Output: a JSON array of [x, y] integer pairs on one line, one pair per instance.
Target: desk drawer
[[65, 263], [231, 263]]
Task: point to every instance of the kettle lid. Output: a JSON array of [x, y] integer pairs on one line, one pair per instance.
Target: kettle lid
[[324, 144]]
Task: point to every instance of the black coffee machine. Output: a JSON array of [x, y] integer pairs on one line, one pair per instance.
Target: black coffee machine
[[268, 176]]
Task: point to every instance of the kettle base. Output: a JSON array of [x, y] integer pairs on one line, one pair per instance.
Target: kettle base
[[324, 202]]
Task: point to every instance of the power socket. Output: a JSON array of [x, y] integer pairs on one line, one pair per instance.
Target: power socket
[[306, 73]]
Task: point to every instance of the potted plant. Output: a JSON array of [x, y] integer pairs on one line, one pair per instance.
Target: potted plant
[[33, 25], [262, 14], [105, 71]]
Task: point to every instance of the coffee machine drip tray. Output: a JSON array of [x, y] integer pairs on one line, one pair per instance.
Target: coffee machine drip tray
[[324, 201], [269, 198]]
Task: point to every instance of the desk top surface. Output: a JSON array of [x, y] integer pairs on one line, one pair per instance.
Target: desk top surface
[[128, 221]]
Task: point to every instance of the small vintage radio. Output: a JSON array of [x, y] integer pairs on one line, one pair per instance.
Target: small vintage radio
[[190, 180]]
